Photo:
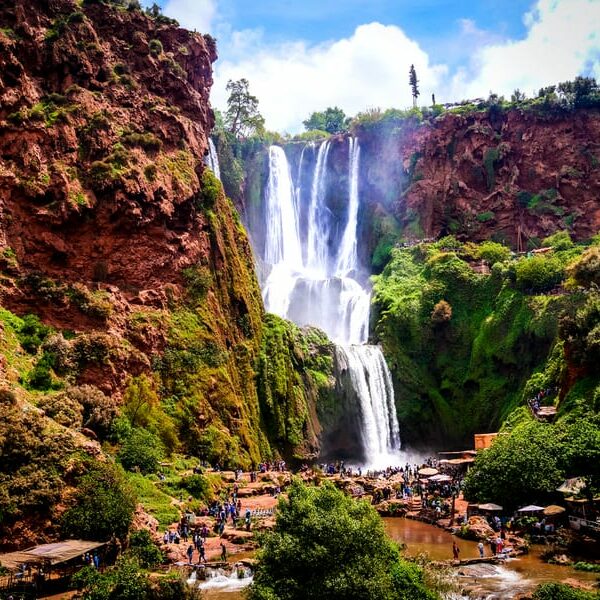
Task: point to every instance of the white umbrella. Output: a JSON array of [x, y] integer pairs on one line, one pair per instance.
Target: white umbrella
[[440, 478], [490, 506], [531, 508]]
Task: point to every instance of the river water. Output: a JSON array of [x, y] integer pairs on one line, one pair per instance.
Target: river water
[[492, 582], [500, 582]]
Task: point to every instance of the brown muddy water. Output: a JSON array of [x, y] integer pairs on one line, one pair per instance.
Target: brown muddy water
[[492, 582]]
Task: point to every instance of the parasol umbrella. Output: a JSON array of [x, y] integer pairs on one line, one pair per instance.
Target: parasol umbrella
[[553, 510], [531, 508], [572, 486], [490, 506], [428, 471], [440, 478]]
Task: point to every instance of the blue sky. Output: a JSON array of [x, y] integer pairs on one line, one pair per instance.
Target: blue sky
[[304, 55], [434, 24]]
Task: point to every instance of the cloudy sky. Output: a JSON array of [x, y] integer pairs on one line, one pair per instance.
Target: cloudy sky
[[304, 55]]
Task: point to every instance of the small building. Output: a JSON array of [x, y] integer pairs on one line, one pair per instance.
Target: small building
[[484, 440]]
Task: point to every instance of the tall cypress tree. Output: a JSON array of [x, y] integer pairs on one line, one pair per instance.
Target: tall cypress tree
[[414, 84]]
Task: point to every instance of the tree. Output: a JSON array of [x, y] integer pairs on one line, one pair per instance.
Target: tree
[[103, 505], [414, 84], [141, 450], [333, 120], [242, 118], [586, 271], [327, 546], [518, 469], [518, 96]]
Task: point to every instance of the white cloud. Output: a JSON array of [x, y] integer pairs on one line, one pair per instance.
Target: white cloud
[[562, 41], [368, 69], [192, 14]]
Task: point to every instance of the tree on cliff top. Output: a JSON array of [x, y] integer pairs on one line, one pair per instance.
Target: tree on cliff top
[[414, 84], [242, 118], [327, 546], [333, 120]]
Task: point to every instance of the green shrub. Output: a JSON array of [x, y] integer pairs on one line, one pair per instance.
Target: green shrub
[[142, 450], [198, 281], [484, 217], [147, 140], [560, 591], [539, 273], [586, 270], [586, 566], [197, 486], [492, 252], [155, 47], [143, 548], [64, 410], [561, 240], [210, 189], [103, 505], [32, 333], [99, 410], [123, 581]]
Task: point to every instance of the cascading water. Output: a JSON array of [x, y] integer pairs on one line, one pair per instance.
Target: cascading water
[[212, 159], [314, 279]]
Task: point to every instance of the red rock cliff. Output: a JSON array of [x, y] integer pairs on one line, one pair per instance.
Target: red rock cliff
[[515, 175]]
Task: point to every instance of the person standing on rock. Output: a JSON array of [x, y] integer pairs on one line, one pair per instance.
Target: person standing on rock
[[223, 552], [481, 551], [190, 553], [455, 551]]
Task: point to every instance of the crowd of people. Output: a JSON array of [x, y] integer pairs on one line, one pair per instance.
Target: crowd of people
[[536, 402]]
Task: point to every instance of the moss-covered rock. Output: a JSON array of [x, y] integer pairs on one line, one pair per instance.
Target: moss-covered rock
[[496, 347]]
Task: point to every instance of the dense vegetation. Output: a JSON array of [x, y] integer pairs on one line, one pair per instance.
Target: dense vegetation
[[294, 377], [328, 546], [527, 464], [463, 345]]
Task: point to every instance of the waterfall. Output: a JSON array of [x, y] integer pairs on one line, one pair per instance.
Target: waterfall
[[212, 159], [316, 280], [318, 217], [348, 257], [371, 383]]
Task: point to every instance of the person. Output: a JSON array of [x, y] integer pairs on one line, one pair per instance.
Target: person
[[480, 546], [96, 560], [493, 546], [223, 552], [190, 552], [455, 551]]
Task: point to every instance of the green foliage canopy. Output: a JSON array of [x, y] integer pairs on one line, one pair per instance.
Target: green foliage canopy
[[332, 120], [103, 505], [242, 117], [327, 546], [529, 463], [142, 450]]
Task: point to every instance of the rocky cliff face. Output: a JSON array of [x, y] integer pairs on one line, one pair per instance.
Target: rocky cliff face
[[105, 115], [516, 176], [113, 233]]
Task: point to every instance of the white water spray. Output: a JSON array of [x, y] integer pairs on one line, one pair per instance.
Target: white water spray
[[212, 159], [316, 281]]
